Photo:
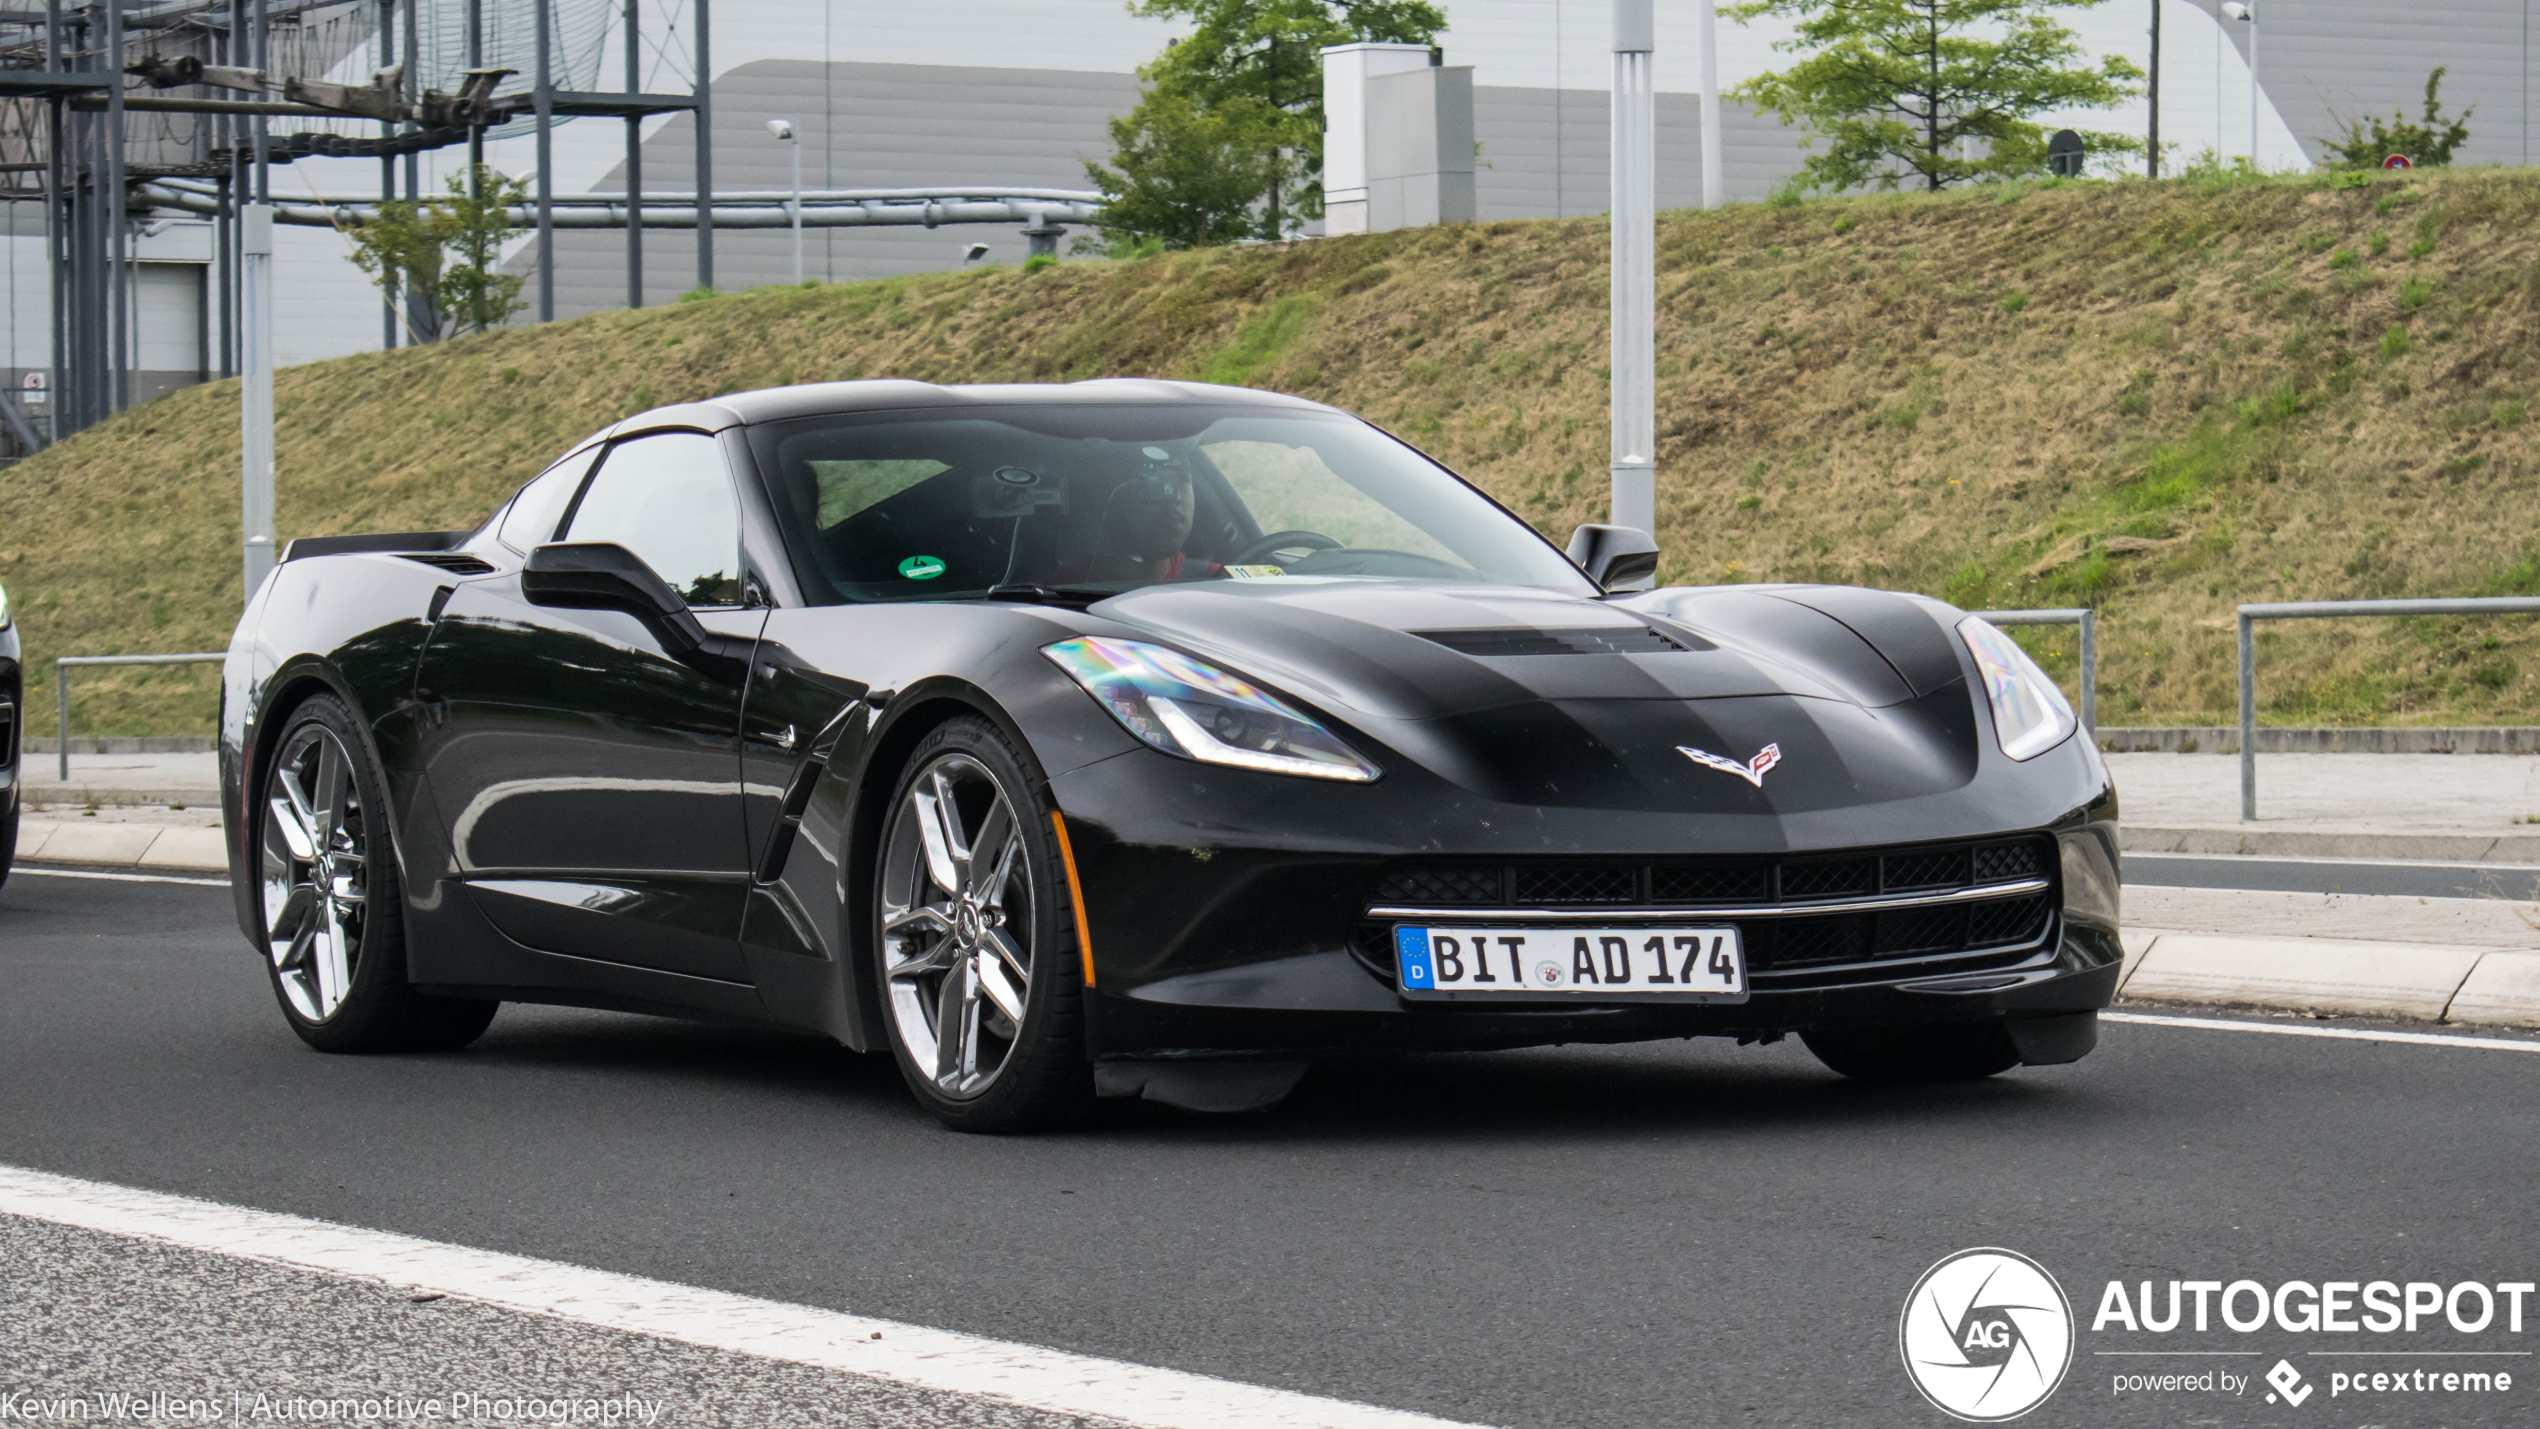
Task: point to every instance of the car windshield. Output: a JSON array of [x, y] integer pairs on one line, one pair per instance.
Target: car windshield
[[932, 505]]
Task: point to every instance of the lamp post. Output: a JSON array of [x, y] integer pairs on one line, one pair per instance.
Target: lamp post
[[2248, 15], [783, 129], [1633, 498]]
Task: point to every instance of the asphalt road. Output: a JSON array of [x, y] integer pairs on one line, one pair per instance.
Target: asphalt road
[[1669, 1234]]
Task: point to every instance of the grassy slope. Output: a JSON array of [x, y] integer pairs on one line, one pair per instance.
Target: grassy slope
[[2159, 399]]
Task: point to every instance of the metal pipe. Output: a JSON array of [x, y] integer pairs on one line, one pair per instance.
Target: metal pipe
[[663, 215], [475, 131], [1633, 498], [634, 159], [261, 39], [62, 690], [119, 272], [727, 199], [2326, 610], [704, 95], [2248, 718], [544, 96], [387, 36]]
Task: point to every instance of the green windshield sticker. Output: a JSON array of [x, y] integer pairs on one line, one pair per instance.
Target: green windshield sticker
[[921, 568]]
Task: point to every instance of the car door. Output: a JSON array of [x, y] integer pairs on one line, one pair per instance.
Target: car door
[[588, 777]]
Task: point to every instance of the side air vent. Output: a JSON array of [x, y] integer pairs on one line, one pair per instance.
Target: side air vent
[[457, 563], [1495, 643]]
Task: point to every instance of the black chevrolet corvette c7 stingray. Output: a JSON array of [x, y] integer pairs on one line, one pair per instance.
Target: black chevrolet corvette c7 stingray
[[1133, 737]]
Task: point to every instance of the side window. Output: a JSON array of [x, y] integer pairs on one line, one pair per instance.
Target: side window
[[532, 519], [668, 498]]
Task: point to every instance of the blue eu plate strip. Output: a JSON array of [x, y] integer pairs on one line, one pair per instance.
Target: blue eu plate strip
[[1411, 948]]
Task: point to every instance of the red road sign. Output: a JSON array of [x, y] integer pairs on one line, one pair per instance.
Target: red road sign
[[2398, 161]]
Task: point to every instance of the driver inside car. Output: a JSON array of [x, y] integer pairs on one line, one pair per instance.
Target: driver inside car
[[1145, 523]]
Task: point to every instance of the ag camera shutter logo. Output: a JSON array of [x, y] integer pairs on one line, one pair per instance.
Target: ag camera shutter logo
[[1986, 1335]]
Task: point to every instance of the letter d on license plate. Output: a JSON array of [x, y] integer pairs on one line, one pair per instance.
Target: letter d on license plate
[[1701, 964]]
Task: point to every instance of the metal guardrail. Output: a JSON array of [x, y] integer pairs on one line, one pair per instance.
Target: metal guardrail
[[62, 688], [2088, 620], [2250, 615]]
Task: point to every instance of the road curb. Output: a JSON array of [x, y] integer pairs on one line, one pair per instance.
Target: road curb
[[2419, 982], [154, 846], [2306, 843]]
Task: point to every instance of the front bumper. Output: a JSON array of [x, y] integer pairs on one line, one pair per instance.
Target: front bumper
[[1231, 915]]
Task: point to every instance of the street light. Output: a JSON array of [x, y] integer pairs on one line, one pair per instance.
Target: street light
[[2248, 15], [783, 129]]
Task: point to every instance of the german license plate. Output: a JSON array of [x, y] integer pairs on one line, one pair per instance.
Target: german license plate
[[1703, 964]]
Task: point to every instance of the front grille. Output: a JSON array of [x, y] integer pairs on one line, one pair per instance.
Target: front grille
[[1711, 883], [1572, 884], [1680, 882], [1981, 931], [1496, 643]]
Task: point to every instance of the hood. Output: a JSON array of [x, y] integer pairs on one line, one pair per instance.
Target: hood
[[1538, 698], [1399, 651]]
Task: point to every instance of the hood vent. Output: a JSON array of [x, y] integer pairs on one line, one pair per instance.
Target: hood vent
[[1610, 640], [455, 562]]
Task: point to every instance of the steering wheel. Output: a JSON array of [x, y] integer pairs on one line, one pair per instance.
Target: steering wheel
[[1277, 541]]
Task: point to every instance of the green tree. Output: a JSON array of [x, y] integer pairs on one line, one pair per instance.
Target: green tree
[[1246, 88], [2428, 143], [440, 259], [1186, 176], [1935, 92]]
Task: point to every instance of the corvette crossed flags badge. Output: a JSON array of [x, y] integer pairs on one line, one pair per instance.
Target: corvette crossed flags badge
[[1752, 771]]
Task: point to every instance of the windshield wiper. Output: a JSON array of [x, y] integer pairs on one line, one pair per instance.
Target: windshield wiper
[[1072, 597]]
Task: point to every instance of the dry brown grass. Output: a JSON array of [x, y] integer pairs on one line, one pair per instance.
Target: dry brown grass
[[2159, 399]]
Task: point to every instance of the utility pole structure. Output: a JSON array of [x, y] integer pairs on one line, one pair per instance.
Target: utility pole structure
[[1633, 396], [2152, 150], [1714, 182], [705, 153], [545, 98], [634, 161]]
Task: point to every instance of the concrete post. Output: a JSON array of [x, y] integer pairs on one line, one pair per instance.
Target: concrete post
[[1633, 500], [255, 414], [1714, 182]]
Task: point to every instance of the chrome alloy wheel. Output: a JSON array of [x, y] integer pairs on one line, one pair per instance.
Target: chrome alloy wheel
[[957, 920], [316, 862]]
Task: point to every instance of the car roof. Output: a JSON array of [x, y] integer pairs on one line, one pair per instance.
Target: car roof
[[815, 399]]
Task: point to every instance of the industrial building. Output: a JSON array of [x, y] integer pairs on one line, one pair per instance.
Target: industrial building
[[1017, 94]]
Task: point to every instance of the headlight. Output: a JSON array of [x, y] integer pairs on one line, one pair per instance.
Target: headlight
[[2030, 715], [4, 607], [1198, 711]]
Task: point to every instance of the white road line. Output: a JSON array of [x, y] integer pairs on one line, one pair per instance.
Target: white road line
[[913, 1355], [2357, 1034], [120, 877]]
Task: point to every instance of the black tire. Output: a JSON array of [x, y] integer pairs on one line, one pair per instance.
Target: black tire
[[333, 834], [1937, 1052], [9, 839], [927, 969]]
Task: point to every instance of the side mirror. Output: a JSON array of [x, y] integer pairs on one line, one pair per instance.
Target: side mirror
[[598, 575], [1617, 558]]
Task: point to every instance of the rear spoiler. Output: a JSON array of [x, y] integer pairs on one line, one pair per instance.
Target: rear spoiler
[[396, 543]]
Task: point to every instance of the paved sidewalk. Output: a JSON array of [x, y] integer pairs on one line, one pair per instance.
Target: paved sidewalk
[[2460, 807], [123, 779]]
